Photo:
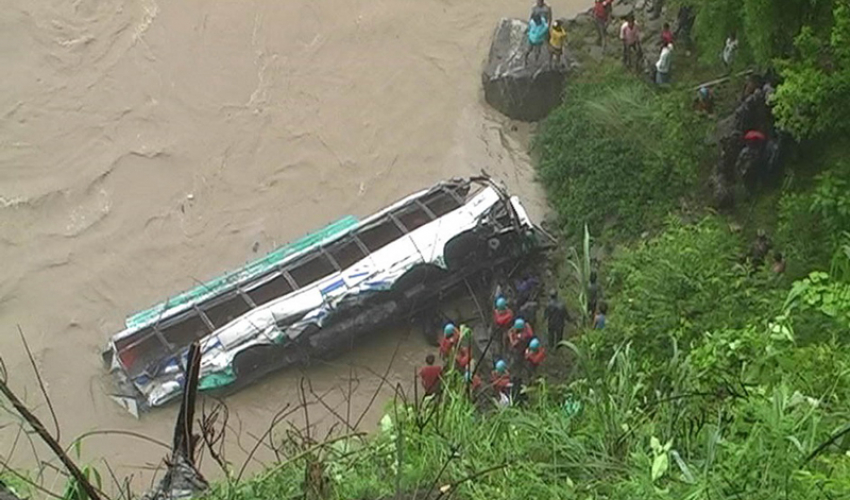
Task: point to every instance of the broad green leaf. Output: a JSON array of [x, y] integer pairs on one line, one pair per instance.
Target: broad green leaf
[[659, 466]]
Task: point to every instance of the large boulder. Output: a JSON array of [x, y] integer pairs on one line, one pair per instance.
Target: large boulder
[[522, 91]]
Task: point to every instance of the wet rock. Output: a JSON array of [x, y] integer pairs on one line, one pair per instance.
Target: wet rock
[[525, 92]]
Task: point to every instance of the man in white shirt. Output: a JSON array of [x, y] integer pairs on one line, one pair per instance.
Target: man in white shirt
[[729, 50], [662, 67], [630, 36]]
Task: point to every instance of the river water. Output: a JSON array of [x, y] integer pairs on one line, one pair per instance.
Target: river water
[[145, 145]]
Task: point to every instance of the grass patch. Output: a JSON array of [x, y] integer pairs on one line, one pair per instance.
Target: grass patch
[[618, 155]]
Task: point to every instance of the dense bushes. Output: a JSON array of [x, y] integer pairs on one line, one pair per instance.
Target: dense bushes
[[689, 280], [617, 154]]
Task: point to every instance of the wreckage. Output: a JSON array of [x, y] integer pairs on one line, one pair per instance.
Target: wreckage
[[318, 295]]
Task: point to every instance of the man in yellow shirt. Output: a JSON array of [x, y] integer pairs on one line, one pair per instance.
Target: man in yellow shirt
[[557, 39]]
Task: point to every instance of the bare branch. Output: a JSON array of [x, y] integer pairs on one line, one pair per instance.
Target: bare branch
[[280, 415], [40, 382], [118, 432], [214, 439], [54, 446]]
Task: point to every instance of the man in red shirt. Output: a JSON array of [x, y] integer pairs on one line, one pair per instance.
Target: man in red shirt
[[666, 34], [430, 376], [448, 342], [535, 354], [601, 14]]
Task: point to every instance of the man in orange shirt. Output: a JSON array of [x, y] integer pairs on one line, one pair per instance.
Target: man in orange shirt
[[430, 376]]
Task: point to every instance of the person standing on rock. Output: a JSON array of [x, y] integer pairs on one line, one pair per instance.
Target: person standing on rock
[[543, 10], [666, 34], [630, 35], [662, 67], [601, 16], [557, 39], [538, 28]]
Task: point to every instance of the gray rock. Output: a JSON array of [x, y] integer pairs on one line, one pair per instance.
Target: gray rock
[[653, 25], [622, 10], [525, 92], [596, 53], [582, 18]]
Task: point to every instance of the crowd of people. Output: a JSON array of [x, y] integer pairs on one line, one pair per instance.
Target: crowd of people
[[520, 351], [542, 30], [545, 31]]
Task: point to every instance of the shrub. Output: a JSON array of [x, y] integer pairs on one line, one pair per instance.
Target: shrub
[[618, 154]]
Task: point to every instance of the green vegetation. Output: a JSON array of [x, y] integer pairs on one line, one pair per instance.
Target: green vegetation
[[711, 381], [715, 378], [601, 171], [808, 42]]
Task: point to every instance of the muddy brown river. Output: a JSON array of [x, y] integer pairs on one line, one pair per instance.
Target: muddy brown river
[[146, 145]]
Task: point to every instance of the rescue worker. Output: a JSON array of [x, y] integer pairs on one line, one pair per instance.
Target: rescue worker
[[500, 379], [519, 335], [502, 314], [448, 342], [431, 376], [535, 354]]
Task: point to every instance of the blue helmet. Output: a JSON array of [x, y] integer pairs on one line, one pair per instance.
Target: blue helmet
[[519, 324], [501, 303], [501, 366], [534, 344], [703, 91], [449, 330]]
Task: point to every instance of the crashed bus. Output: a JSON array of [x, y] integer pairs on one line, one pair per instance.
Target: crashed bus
[[318, 295]]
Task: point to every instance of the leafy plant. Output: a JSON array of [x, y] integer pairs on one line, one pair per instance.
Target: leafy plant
[[580, 265]]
